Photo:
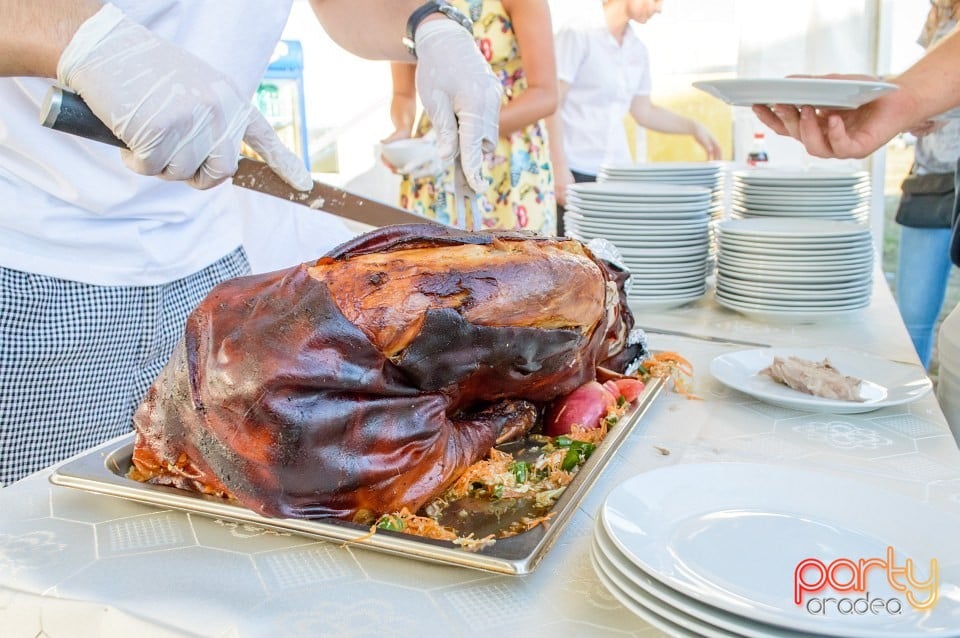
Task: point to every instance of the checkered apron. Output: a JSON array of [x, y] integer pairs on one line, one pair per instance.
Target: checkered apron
[[76, 359]]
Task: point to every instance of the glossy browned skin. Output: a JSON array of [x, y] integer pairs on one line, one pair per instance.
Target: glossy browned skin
[[370, 380]]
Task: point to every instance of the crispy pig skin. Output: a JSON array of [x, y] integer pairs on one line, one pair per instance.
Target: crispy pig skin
[[368, 381]]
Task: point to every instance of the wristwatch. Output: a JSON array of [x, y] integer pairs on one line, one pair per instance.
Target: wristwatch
[[426, 9]]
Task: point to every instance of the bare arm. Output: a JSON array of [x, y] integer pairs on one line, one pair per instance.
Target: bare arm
[[562, 176], [657, 118], [403, 105], [33, 33], [531, 24], [932, 85], [369, 28]]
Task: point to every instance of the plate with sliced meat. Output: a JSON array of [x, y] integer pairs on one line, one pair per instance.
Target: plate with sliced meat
[[827, 379]]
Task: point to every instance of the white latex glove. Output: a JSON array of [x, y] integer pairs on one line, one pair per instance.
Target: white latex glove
[[460, 94], [180, 118]]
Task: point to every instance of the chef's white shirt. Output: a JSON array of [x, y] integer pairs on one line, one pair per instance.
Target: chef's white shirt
[[69, 208], [603, 77]]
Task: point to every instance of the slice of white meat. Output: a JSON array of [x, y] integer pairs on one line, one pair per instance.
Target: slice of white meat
[[819, 379]]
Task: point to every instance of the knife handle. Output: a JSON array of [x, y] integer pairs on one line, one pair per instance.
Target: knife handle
[[66, 111]]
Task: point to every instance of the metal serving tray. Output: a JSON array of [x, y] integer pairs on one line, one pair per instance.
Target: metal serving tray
[[103, 470]]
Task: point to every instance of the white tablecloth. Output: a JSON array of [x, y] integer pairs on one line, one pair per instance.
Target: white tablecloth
[[74, 564]]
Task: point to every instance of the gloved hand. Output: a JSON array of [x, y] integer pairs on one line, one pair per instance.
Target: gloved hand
[[181, 119], [430, 167], [458, 90]]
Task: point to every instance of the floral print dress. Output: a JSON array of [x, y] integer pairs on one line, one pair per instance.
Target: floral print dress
[[521, 193]]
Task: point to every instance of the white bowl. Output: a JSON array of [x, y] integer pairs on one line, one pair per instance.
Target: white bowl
[[407, 152]]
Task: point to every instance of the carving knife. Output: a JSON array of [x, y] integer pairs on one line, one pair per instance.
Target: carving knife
[[67, 112]]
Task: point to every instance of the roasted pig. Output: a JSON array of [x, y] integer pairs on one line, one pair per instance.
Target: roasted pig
[[368, 381]]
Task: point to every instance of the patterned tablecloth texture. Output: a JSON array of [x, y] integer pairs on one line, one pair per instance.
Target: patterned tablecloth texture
[[75, 564]]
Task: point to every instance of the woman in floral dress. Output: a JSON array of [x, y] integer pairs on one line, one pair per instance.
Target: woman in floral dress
[[521, 180]]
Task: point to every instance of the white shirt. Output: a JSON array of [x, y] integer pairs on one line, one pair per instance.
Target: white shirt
[[69, 208], [603, 78]]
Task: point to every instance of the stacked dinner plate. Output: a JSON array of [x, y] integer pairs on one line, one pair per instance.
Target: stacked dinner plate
[[794, 269], [661, 231], [725, 549], [708, 175], [792, 193]]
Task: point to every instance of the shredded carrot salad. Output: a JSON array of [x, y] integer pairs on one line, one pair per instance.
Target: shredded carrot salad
[[502, 478], [674, 368]]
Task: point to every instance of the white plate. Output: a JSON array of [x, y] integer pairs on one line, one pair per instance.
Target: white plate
[[844, 94], [814, 279], [780, 316], [799, 244], [800, 177], [667, 619], [733, 281], [801, 211], [757, 189], [642, 190], [796, 254], [759, 302], [793, 228], [762, 303], [664, 302], [641, 238], [808, 247], [731, 535], [658, 167], [667, 626], [643, 249], [655, 596], [760, 270], [774, 295], [630, 215], [886, 382], [840, 217], [786, 201], [613, 208]]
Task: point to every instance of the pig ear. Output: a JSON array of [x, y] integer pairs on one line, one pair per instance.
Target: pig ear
[[388, 237]]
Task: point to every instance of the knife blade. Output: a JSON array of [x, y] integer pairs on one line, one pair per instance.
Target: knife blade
[[66, 111], [258, 176]]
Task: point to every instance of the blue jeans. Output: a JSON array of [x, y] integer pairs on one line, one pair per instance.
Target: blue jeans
[[922, 272]]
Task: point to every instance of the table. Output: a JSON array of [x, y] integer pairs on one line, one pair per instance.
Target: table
[[74, 564]]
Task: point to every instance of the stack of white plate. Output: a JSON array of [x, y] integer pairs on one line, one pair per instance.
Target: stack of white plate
[[717, 549], [794, 269], [661, 231], [785, 192], [708, 175]]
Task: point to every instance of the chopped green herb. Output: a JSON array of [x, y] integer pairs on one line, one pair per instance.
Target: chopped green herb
[[571, 460], [521, 470], [392, 523]]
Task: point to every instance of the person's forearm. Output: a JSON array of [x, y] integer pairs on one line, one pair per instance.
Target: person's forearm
[[534, 32], [369, 28], [536, 103], [33, 33], [403, 106], [662, 120], [932, 85]]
